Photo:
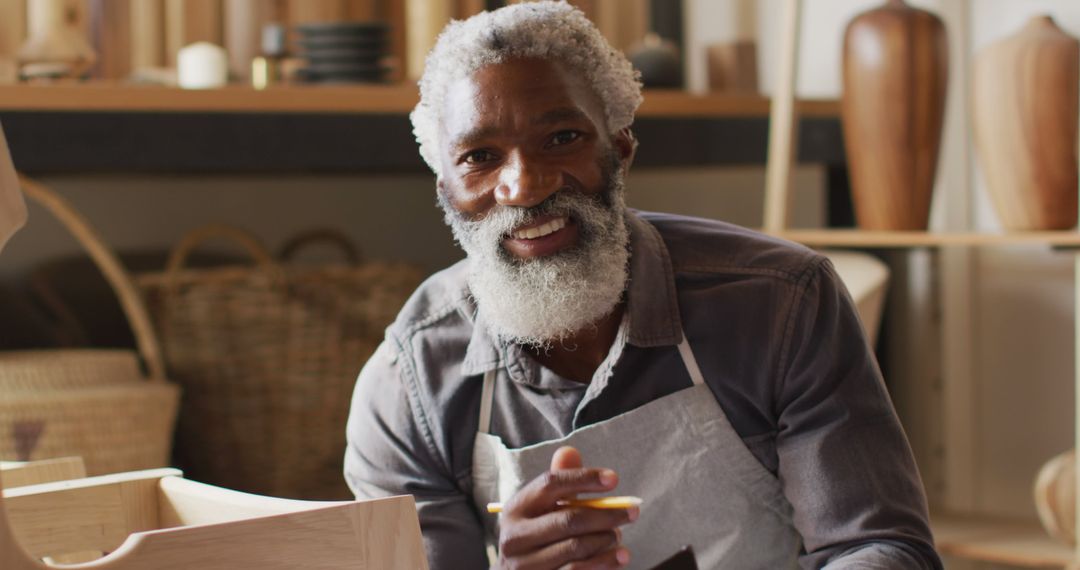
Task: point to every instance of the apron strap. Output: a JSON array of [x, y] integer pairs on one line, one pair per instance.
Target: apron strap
[[488, 391], [486, 396], [690, 362]]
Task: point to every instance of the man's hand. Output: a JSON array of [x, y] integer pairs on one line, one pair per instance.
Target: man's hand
[[537, 534]]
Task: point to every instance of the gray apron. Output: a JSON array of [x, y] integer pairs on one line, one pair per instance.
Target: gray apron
[[701, 485]]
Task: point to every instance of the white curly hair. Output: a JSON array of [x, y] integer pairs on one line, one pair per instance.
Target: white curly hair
[[551, 30]]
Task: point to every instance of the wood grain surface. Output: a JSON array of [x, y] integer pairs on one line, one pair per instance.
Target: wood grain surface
[[147, 33], [110, 30], [190, 21], [222, 529], [244, 22], [1025, 115], [12, 28], [20, 474], [895, 70]]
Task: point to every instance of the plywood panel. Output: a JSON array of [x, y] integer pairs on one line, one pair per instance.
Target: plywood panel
[[190, 21], [302, 11], [623, 22], [244, 21], [394, 13], [147, 33], [12, 27], [362, 10], [110, 26], [466, 8], [425, 19]]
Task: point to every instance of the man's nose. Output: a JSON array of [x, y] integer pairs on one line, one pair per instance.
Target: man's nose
[[525, 183]]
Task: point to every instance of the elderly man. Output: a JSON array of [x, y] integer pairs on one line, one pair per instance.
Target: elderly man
[[582, 347]]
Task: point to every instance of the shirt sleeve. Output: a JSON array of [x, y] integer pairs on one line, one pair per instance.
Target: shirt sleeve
[[844, 461], [387, 454]]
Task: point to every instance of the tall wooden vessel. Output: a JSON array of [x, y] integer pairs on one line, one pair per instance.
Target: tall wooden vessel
[[895, 73], [1025, 114]]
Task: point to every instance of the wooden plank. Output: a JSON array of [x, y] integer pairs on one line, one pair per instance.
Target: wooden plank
[[187, 503], [306, 11], [91, 514], [147, 33], [1002, 541], [400, 98], [783, 122], [958, 272], [113, 97], [244, 22], [190, 21], [393, 12], [12, 27], [44, 471], [889, 239], [623, 22], [425, 19], [382, 533], [110, 26], [465, 8], [362, 10]]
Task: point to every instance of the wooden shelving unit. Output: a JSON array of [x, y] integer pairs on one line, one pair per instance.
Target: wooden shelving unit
[[897, 240], [969, 536], [366, 99], [1001, 541]]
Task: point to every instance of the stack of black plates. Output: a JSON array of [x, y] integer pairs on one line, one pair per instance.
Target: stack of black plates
[[343, 52]]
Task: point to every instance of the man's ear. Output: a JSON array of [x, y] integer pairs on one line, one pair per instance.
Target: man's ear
[[626, 144]]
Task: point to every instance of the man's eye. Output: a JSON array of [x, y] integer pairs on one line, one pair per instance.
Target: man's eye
[[477, 157], [564, 137]]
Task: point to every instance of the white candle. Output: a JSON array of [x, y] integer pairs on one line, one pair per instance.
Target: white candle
[[202, 65]]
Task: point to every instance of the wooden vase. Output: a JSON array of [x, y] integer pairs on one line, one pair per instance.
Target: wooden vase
[[895, 73], [1025, 115]]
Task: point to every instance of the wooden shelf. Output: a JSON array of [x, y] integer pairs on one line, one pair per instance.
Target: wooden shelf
[[359, 99], [881, 239], [1002, 541]]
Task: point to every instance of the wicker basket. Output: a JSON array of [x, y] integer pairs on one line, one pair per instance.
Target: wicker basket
[[268, 356], [91, 403]]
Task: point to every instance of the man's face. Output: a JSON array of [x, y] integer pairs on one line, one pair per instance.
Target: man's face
[[532, 187]]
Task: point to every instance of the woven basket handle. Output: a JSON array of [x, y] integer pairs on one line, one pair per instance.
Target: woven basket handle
[[146, 340], [321, 235], [246, 240]]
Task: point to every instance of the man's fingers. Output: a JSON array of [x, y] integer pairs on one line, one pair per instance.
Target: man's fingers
[[542, 494], [551, 528], [611, 559], [566, 457], [570, 551]]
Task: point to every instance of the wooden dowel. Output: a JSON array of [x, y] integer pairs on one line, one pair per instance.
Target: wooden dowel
[[783, 123], [147, 33]]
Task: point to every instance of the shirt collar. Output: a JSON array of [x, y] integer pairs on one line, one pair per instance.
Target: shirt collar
[[651, 296], [651, 300]]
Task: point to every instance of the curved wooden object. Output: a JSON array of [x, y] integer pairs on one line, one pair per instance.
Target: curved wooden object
[[156, 519], [895, 76], [1026, 114], [1055, 497]]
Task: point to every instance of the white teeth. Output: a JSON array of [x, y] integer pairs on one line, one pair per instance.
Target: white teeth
[[541, 231]]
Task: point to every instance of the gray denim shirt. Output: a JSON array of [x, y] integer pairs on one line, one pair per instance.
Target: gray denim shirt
[[777, 339]]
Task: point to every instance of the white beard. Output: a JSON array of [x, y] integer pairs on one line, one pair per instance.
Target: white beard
[[539, 301]]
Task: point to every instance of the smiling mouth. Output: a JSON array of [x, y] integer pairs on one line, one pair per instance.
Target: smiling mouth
[[542, 230]]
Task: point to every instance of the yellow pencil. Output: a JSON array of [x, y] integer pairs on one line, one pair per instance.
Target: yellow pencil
[[594, 503]]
